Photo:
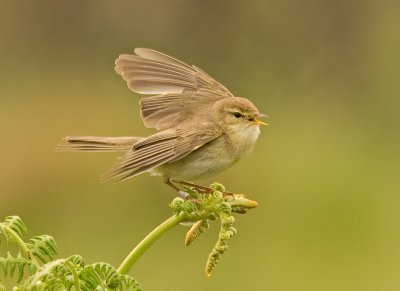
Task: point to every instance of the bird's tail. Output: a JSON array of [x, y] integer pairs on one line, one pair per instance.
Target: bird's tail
[[98, 143]]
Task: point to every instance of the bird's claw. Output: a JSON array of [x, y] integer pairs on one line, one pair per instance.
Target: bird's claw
[[184, 194]]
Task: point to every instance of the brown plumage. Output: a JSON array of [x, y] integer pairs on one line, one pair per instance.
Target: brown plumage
[[203, 128]]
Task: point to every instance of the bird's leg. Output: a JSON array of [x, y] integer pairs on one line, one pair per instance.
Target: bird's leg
[[200, 188], [169, 183], [183, 194]]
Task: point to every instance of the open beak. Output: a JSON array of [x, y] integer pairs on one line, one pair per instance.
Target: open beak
[[255, 121]]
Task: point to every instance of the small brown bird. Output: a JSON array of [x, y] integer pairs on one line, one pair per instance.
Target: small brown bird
[[203, 128]]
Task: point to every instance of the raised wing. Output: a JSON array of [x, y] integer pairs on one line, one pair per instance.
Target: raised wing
[[158, 149], [175, 85]]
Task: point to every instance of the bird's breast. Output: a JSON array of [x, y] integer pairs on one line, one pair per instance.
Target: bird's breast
[[243, 139], [213, 157]]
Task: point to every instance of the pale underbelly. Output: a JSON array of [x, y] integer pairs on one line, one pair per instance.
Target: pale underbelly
[[210, 159], [200, 164]]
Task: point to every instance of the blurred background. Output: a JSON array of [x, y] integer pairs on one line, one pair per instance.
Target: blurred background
[[325, 172]]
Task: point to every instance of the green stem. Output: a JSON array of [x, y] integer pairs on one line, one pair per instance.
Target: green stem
[[139, 249], [74, 275]]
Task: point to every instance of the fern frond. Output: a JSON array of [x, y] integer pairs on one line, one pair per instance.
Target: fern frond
[[196, 230], [43, 247], [15, 224], [100, 276], [128, 283], [57, 275], [76, 261], [226, 232], [10, 263]]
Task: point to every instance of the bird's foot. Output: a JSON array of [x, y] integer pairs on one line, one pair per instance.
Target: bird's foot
[[201, 189], [184, 195]]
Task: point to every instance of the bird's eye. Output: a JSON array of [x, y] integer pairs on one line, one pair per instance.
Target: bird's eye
[[237, 114]]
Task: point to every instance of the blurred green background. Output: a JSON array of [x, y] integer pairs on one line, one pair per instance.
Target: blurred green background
[[325, 172]]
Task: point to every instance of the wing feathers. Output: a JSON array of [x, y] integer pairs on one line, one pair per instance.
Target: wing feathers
[[158, 56], [173, 77], [173, 83], [160, 136], [158, 149]]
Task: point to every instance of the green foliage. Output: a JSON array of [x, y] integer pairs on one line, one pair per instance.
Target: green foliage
[[54, 274], [10, 264], [226, 232], [38, 270], [103, 276], [196, 230], [44, 247], [210, 206], [12, 227]]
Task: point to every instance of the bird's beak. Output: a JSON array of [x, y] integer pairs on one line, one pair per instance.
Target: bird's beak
[[258, 122], [255, 121]]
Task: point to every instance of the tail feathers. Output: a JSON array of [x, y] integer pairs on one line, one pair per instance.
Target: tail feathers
[[98, 143]]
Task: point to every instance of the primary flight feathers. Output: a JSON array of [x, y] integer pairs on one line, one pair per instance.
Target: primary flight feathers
[[174, 86]]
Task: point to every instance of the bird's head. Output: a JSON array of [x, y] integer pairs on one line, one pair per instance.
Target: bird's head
[[237, 112]]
